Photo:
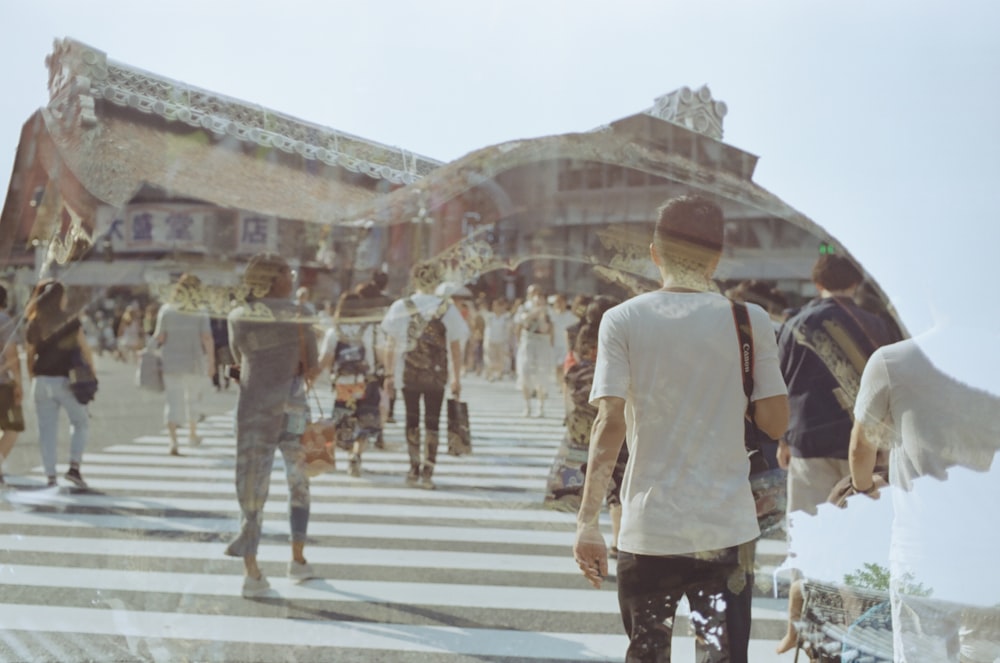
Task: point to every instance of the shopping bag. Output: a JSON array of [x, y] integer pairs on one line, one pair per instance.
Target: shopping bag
[[317, 443], [459, 434], [149, 373]]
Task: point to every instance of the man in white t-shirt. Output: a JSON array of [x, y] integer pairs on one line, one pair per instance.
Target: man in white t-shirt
[[668, 380], [943, 434], [407, 321]]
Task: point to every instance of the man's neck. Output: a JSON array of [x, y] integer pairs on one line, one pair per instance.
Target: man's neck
[[826, 294]]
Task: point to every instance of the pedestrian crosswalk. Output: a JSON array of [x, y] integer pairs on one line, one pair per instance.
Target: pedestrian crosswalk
[[475, 570]]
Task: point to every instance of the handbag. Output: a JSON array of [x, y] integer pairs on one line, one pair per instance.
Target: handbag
[[82, 380], [459, 433], [318, 436], [149, 373], [768, 485]]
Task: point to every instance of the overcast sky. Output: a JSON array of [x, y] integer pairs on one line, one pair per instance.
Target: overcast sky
[[875, 119]]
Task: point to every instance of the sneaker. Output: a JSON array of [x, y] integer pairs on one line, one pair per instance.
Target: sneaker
[[526, 412], [175, 451], [412, 480], [255, 587], [301, 571], [195, 441], [354, 466], [73, 475], [427, 484], [390, 419], [52, 482]]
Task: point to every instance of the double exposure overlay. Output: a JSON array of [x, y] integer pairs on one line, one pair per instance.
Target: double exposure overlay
[[275, 391]]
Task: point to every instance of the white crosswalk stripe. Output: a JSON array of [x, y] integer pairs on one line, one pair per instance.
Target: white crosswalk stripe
[[477, 569]]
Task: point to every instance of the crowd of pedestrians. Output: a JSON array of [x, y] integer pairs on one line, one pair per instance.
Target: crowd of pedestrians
[[673, 399]]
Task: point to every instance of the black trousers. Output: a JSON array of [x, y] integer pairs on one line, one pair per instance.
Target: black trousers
[[433, 398], [649, 589], [738, 611]]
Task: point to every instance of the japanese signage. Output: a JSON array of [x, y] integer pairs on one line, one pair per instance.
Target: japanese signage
[[189, 228], [155, 227], [256, 233]]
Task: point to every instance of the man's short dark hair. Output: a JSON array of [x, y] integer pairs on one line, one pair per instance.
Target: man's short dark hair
[[835, 272], [691, 228]]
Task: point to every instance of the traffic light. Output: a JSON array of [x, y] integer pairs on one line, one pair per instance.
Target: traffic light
[[827, 249]]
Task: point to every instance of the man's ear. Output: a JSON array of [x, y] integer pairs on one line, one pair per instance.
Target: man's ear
[[653, 255]]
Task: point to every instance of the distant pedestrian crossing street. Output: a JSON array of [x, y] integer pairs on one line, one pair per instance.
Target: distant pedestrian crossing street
[[475, 570]]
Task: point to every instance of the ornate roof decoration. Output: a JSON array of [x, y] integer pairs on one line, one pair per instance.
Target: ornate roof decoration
[[695, 110], [80, 74]]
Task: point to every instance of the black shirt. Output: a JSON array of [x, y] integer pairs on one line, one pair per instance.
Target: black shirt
[[54, 349]]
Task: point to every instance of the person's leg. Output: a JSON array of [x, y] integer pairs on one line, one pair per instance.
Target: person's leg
[[738, 595], [194, 385], [254, 460], [411, 398], [648, 591], [79, 428], [173, 408], [298, 495], [432, 421], [795, 602], [47, 413]]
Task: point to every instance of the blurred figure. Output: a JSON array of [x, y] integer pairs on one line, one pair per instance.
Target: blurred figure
[[130, 335], [274, 346], [302, 299], [184, 335], [562, 320], [52, 340], [496, 339], [348, 350], [535, 334], [223, 356], [11, 390], [149, 318], [565, 483]]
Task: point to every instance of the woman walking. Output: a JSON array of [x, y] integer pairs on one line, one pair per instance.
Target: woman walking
[[275, 349], [53, 339], [188, 354]]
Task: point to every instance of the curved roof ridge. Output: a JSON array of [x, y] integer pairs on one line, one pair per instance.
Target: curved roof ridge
[[76, 69]]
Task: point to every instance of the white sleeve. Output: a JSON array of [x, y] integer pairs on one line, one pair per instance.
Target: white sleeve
[[611, 370], [767, 378], [455, 325]]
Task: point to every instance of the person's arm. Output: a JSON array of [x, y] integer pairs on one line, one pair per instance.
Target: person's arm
[[771, 416], [456, 367], [390, 362], [784, 453], [12, 363], [158, 332], [81, 339], [606, 438], [861, 457], [208, 347]]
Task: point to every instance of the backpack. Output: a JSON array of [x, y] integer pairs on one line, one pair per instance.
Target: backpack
[[349, 356], [425, 362]]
